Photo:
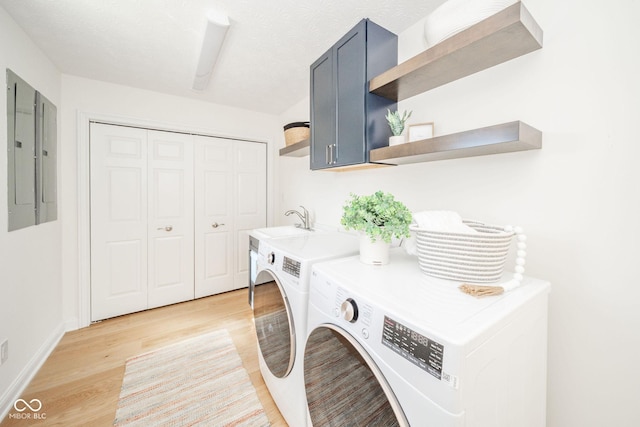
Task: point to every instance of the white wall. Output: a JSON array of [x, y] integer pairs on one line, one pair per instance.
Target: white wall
[[30, 272], [136, 106], [577, 198]]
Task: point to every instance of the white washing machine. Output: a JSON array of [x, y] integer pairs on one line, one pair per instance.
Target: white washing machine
[[388, 345], [280, 298]]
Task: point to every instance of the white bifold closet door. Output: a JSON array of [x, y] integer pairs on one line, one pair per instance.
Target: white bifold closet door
[[170, 214], [141, 219], [118, 220], [250, 203], [170, 218], [230, 200]]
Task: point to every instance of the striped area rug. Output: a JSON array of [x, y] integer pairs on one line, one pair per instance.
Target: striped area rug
[[197, 382]]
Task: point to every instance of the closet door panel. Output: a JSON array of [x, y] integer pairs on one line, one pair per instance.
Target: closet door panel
[[250, 191], [118, 165], [214, 216], [170, 219], [216, 264]]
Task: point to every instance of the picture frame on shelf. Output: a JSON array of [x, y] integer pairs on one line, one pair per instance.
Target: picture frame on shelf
[[420, 131]]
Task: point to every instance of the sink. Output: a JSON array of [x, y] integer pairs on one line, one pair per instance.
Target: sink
[[282, 231]]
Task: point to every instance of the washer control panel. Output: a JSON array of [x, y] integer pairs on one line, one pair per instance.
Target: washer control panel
[[291, 266], [423, 352]]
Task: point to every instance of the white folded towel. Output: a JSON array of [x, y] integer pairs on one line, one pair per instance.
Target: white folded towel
[[443, 221]]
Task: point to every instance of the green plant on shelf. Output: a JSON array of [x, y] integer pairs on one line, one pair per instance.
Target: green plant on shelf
[[396, 121]]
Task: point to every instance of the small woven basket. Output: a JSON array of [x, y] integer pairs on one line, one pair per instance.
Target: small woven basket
[[296, 132], [474, 258]]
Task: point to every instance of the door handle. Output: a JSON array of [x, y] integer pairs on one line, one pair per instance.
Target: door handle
[[216, 225], [167, 228]]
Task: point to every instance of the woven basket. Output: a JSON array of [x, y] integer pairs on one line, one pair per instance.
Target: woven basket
[[474, 258], [296, 132]]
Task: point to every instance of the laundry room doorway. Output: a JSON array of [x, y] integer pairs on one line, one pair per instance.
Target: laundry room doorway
[[169, 216]]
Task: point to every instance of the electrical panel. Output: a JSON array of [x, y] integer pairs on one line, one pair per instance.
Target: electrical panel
[[31, 155]]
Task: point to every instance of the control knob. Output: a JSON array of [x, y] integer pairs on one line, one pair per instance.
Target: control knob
[[271, 258], [349, 310]]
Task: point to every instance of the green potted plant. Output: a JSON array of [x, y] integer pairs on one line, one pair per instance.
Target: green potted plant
[[378, 217], [396, 124]]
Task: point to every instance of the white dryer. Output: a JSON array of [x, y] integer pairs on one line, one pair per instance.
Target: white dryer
[[388, 345], [280, 298]]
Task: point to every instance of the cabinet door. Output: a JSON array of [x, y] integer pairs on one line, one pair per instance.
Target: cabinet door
[[170, 218], [323, 112], [350, 83], [118, 220]]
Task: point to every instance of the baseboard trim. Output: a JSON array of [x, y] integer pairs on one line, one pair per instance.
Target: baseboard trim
[[71, 324], [30, 370]]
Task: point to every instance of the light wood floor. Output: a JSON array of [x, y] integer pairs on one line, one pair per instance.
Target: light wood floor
[[79, 384]]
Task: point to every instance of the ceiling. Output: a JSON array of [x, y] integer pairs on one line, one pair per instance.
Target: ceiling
[[154, 44]]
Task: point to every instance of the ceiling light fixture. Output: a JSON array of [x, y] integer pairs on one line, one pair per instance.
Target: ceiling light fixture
[[217, 26]]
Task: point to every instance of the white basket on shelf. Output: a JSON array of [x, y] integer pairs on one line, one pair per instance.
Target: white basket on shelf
[[464, 257]]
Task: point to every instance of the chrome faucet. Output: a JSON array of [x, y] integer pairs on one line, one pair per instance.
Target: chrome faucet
[[304, 218]]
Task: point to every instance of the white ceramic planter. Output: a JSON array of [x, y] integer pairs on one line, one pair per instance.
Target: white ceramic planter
[[375, 253], [396, 140]]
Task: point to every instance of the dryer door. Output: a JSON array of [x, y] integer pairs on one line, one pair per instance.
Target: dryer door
[[274, 324], [343, 384]]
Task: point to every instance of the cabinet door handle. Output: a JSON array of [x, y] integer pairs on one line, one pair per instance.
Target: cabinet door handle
[[216, 225], [326, 154], [334, 154], [167, 228]]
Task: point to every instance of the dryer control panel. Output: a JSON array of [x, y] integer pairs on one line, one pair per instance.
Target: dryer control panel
[[423, 352]]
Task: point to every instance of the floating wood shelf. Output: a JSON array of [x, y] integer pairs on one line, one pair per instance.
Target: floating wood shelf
[[506, 35], [503, 138], [299, 149]]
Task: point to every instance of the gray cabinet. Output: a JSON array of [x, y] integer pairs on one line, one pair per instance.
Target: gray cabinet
[[347, 121]]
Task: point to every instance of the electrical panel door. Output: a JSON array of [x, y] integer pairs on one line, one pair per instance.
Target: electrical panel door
[[46, 159], [21, 152]]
